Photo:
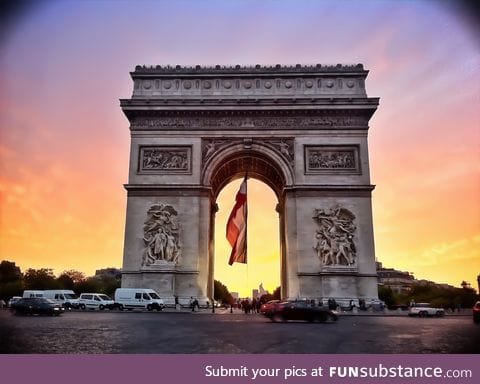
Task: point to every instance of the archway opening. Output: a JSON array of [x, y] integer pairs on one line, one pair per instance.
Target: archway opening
[[263, 240]]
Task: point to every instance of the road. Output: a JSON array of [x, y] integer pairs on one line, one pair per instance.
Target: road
[[171, 332]]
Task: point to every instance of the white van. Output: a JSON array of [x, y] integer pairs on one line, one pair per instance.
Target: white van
[[138, 298], [95, 301], [31, 293], [66, 297]]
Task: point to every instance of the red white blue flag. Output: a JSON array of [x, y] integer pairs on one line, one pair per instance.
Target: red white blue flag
[[237, 227]]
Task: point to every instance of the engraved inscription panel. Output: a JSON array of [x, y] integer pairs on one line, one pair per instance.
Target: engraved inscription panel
[[326, 159], [165, 159]]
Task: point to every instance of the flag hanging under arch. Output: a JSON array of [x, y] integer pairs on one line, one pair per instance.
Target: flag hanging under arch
[[237, 226]]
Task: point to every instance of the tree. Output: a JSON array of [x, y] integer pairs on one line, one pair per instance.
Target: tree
[[276, 294], [10, 289], [10, 280], [90, 284], [108, 284], [98, 284], [9, 272], [68, 279], [40, 279], [386, 294], [221, 293]]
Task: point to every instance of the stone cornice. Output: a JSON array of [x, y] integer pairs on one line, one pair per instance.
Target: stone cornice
[[167, 190], [224, 102], [325, 190], [331, 187], [247, 69]]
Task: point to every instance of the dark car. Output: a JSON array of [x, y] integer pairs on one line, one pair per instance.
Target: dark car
[[37, 306], [476, 312], [299, 310]]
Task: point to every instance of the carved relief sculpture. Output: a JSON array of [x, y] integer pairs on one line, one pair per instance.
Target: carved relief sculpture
[[210, 146], [283, 145], [161, 236], [328, 159], [165, 159], [334, 243]]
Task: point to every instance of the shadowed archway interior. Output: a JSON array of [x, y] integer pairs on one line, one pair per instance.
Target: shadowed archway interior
[[251, 163], [263, 238], [255, 165]]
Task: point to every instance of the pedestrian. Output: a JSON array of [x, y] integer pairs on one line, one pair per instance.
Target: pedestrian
[[190, 303], [2, 304], [195, 305]]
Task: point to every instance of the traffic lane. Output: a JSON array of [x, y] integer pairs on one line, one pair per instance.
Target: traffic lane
[[135, 332], [363, 334]]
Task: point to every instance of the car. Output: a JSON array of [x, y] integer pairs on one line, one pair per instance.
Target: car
[[268, 306], [37, 306], [95, 301], [13, 300], [66, 297], [299, 310], [138, 298], [476, 312], [424, 310], [31, 293]]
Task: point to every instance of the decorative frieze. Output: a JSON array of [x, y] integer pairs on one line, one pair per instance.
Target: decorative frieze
[[327, 159], [235, 122], [334, 238], [161, 236], [165, 159]]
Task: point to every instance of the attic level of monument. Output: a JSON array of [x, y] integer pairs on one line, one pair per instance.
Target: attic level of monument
[[265, 82]]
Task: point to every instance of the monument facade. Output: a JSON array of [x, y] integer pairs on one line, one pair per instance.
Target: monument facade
[[300, 129]]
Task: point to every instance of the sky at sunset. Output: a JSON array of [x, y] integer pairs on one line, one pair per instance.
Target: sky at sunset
[[64, 142]]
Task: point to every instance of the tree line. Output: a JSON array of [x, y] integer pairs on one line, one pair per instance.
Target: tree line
[[222, 294], [437, 295], [13, 282]]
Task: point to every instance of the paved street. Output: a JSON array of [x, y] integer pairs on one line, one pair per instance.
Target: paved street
[[170, 332]]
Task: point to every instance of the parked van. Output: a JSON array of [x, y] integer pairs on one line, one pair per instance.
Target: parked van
[[138, 298], [95, 301], [29, 293], [66, 297]]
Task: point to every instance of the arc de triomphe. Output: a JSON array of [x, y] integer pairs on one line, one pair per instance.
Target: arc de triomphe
[[300, 129]]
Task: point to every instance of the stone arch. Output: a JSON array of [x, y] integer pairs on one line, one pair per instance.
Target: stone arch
[[259, 161]]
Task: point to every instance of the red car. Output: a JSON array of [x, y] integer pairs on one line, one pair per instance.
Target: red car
[[268, 306], [476, 312]]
